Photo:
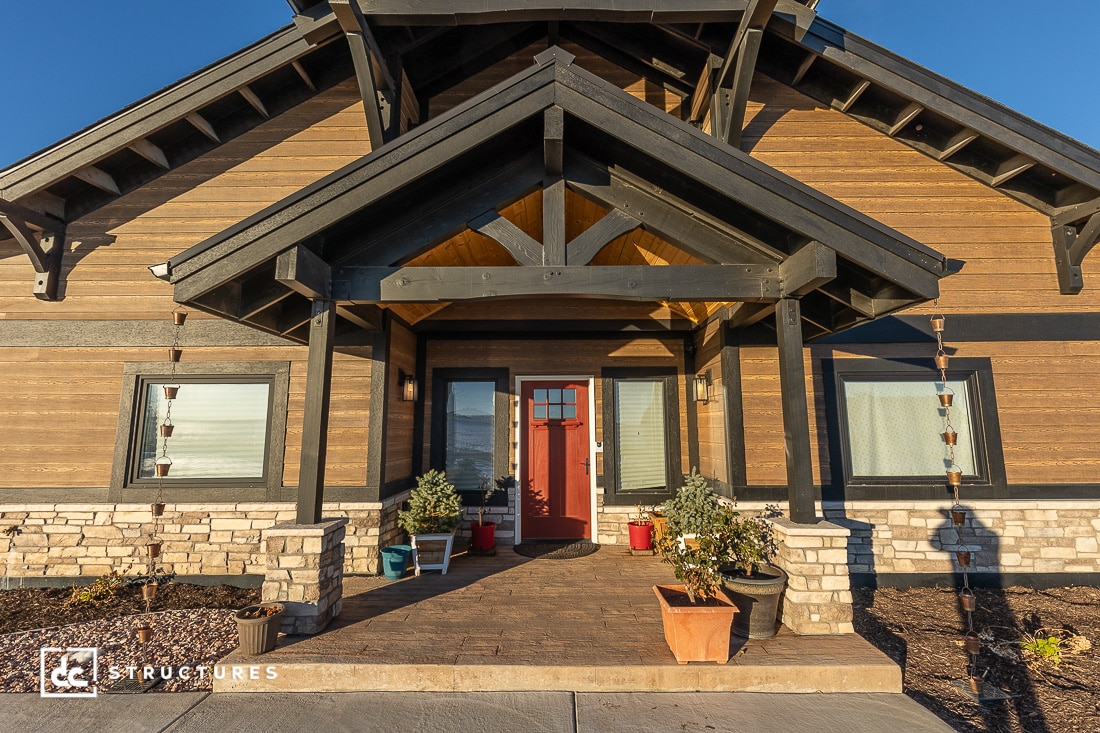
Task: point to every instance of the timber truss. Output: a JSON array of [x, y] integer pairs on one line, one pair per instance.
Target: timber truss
[[756, 237]]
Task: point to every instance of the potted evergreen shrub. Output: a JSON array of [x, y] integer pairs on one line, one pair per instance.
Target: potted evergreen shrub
[[749, 578], [434, 509], [696, 615]]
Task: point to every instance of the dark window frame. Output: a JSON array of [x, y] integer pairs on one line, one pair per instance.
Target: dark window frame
[[984, 428], [126, 487], [443, 376], [673, 469]]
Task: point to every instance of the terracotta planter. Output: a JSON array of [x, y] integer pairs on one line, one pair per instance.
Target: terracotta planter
[[757, 599], [483, 536], [641, 535], [258, 635], [696, 632]]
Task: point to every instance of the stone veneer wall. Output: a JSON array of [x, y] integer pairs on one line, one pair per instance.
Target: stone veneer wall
[[70, 540], [1006, 536], [904, 537]]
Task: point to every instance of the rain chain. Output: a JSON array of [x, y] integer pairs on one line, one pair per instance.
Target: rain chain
[[163, 464], [971, 640]]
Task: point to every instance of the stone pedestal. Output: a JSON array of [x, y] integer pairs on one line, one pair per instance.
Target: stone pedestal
[[819, 597], [305, 572]]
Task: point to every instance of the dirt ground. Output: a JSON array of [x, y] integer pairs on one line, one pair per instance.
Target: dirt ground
[[919, 628], [922, 630], [23, 609]]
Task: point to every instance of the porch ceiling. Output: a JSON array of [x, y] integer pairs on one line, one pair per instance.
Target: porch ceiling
[[593, 192]]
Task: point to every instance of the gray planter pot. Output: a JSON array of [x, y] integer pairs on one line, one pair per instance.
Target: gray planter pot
[[757, 599], [258, 635]]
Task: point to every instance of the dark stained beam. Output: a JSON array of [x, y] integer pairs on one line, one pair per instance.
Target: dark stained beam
[[853, 96], [524, 250], [804, 67], [44, 247], [733, 118], [303, 272], [742, 282], [375, 82], [311, 475], [26, 238], [1011, 168], [730, 365], [45, 282], [306, 78], [261, 296], [1068, 215], [99, 178], [756, 16], [903, 118], [669, 219], [201, 124], [796, 421], [807, 269], [366, 317], [377, 425], [553, 222], [254, 100], [957, 142], [588, 243], [553, 140], [151, 153]]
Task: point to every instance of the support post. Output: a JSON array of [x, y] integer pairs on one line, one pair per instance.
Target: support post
[[311, 478], [796, 422]]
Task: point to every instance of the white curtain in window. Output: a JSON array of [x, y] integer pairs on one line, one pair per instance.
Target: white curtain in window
[[221, 430], [894, 428], [640, 420]]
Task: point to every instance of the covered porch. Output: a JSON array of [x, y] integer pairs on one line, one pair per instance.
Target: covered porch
[[510, 623]]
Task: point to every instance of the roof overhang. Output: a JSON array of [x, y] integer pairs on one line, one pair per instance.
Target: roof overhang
[[758, 234]]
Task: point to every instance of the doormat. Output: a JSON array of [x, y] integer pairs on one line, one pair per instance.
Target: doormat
[[556, 549]]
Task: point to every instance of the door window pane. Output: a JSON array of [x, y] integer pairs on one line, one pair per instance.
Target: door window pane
[[894, 428], [469, 420], [220, 430], [640, 422]]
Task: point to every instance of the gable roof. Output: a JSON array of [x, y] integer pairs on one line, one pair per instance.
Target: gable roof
[[719, 203]]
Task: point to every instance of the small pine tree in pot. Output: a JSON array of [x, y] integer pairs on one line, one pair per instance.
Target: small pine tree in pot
[[434, 506], [434, 509]]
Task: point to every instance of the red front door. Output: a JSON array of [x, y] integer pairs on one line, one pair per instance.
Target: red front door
[[555, 482]]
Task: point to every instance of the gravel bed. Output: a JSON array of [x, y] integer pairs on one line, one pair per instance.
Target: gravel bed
[[192, 637]]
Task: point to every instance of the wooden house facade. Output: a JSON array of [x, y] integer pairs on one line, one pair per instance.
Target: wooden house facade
[[587, 246]]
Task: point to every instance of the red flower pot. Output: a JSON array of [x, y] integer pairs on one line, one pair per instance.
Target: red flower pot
[[484, 536], [641, 535]]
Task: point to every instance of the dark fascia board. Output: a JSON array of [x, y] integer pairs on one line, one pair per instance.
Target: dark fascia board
[[941, 95], [156, 111], [674, 143]]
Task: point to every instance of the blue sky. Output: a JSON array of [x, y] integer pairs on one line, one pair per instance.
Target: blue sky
[[72, 62]]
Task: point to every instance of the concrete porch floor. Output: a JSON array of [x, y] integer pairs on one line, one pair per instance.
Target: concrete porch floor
[[509, 623]]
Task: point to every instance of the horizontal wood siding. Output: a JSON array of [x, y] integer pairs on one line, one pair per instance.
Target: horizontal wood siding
[[1005, 247], [711, 415], [399, 414], [550, 357], [59, 410], [105, 275]]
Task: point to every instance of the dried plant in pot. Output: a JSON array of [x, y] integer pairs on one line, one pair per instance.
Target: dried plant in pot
[[483, 534], [258, 627], [697, 615]]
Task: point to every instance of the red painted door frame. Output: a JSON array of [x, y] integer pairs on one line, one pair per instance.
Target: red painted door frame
[[555, 474]]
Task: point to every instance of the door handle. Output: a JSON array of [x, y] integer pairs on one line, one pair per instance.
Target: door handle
[[586, 465]]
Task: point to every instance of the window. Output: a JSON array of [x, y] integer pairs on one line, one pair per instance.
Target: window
[[229, 426], [887, 423], [469, 434], [642, 435]]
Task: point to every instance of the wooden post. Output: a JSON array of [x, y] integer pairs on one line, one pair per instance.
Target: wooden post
[[380, 388], [796, 421], [311, 478]]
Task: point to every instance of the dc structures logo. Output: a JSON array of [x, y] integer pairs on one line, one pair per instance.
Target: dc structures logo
[[68, 671]]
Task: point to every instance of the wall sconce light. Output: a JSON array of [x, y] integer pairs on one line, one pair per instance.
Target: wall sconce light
[[702, 386], [410, 390]]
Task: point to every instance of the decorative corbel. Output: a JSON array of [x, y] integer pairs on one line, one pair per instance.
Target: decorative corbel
[[1075, 231], [42, 238]]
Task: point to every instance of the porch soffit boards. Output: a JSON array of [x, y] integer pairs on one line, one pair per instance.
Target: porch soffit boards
[[347, 236]]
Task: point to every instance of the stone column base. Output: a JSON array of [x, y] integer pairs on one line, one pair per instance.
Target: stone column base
[[819, 597], [305, 572]]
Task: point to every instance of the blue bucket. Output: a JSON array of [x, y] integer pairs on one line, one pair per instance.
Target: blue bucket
[[395, 559]]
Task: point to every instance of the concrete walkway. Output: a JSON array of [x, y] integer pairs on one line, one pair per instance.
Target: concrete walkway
[[507, 623], [507, 712]]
